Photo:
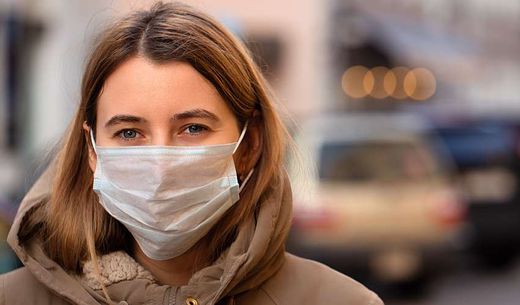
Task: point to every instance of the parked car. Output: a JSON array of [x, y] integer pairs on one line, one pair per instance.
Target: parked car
[[487, 154], [382, 201]]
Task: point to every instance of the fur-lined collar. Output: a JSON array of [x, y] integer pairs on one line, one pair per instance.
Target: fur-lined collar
[[113, 268]]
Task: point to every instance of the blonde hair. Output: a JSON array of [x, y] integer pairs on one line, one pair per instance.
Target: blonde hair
[[75, 224]]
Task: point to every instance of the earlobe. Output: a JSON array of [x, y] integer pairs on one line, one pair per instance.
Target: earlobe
[[258, 136], [254, 141], [257, 141], [91, 154]]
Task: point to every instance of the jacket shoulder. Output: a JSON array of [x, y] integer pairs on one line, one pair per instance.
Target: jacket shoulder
[[303, 281], [21, 287]]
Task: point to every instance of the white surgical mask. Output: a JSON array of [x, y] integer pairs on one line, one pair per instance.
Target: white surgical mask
[[168, 197]]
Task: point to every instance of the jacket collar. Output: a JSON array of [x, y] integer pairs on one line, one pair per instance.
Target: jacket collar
[[255, 255], [48, 272]]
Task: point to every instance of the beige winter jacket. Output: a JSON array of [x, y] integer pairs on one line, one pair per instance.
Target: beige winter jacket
[[254, 270]]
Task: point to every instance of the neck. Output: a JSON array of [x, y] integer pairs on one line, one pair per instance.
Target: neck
[[176, 271]]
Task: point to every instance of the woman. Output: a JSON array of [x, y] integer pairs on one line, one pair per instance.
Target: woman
[[169, 187]]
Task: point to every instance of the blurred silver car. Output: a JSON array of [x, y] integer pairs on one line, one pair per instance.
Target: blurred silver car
[[381, 197]]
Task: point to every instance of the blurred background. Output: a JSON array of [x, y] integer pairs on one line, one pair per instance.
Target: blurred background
[[409, 111]]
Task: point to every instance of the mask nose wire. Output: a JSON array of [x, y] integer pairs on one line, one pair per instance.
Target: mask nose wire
[[242, 134], [92, 140]]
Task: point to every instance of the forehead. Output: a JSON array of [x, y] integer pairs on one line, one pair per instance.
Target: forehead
[[139, 86]]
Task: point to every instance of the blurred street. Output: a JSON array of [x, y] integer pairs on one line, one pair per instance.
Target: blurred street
[[470, 286]]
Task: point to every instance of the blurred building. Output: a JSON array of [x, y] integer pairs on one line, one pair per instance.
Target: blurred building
[[470, 46]]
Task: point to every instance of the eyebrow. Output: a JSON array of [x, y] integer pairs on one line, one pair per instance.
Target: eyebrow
[[124, 118], [196, 113]]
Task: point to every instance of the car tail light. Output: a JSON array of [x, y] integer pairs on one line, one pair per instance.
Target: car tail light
[[450, 212]]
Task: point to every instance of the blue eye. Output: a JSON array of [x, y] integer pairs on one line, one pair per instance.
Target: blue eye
[[128, 134], [195, 129]]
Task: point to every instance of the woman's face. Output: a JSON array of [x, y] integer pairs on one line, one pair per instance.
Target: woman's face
[[143, 103]]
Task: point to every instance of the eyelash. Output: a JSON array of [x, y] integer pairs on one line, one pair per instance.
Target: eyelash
[[119, 134], [202, 127]]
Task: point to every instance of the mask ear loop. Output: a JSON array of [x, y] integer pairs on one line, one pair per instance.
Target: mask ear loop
[[245, 180], [242, 134], [92, 140]]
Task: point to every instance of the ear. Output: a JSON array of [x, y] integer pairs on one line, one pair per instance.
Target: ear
[[250, 150], [91, 153]]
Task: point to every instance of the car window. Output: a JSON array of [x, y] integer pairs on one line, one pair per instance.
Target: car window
[[478, 145], [375, 161]]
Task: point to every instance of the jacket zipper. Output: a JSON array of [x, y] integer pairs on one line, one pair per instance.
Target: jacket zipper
[[169, 296]]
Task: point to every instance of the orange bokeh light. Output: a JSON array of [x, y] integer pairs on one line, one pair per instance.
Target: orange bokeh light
[[352, 81]]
